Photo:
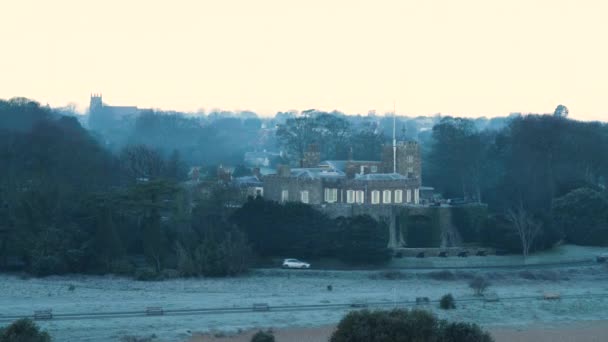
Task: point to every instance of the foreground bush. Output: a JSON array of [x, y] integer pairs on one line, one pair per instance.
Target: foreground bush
[[262, 336], [447, 302], [404, 326], [23, 330]]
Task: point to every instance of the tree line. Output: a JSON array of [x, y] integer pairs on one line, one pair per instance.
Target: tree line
[[542, 176], [68, 203]]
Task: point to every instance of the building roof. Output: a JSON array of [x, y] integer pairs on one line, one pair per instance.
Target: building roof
[[122, 110], [338, 165], [316, 173], [380, 176], [247, 181]]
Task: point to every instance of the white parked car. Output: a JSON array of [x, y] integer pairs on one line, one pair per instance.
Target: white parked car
[[295, 263]]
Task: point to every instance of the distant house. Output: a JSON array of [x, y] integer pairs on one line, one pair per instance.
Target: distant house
[[387, 182]]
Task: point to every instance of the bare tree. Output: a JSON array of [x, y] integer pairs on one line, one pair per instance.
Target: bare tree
[[526, 227], [479, 284]]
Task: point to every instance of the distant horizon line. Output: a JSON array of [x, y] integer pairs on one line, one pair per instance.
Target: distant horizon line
[[82, 110]]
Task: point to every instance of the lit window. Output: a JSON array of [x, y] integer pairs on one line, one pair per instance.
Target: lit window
[[408, 196], [398, 196], [304, 196], [360, 196], [410, 169], [386, 196], [374, 168], [410, 159], [284, 196], [375, 197], [362, 169], [416, 195], [350, 196], [331, 195]]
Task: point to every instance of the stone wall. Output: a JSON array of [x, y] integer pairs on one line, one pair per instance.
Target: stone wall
[[408, 159], [442, 232], [274, 185]]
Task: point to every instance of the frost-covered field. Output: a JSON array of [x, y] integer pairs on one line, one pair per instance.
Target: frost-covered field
[[104, 294]]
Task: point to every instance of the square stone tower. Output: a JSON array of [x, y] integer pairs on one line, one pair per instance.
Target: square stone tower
[[408, 159]]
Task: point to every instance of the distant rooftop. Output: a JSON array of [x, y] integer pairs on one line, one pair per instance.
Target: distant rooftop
[[316, 173], [380, 176]]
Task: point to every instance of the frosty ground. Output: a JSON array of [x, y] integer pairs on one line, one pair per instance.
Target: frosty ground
[[20, 296]]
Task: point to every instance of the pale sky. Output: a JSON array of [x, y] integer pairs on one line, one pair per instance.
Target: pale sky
[[460, 57]]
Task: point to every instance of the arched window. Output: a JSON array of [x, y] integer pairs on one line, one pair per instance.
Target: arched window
[[398, 196], [304, 196], [360, 196], [386, 196], [375, 197], [350, 196]]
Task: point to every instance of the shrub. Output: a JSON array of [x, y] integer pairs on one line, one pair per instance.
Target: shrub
[[122, 267], [23, 330], [169, 273], [442, 275], [447, 302], [262, 336], [404, 326], [479, 285], [48, 265], [463, 332], [146, 274]]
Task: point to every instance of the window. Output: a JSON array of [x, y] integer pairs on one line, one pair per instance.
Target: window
[[398, 196], [284, 196], [375, 197], [410, 159], [304, 196], [331, 195], [408, 196], [350, 196], [259, 192], [374, 168], [362, 169], [416, 195], [410, 169], [360, 196], [386, 196]]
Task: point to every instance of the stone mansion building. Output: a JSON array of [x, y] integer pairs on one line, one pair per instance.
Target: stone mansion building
[[395, 180]]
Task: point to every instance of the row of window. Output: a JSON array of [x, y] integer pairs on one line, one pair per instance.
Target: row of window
[[303, 196], [388, 196], [358, 196]]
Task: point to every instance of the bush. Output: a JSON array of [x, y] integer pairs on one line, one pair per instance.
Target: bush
[[447, 302], [442, 275], [48, 265], [23, 330], [262, 336], [122, 267], [404, 326], [169, 273], [463, 332], [146, 274], [582, 215], [479, 285], [386, 326]]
